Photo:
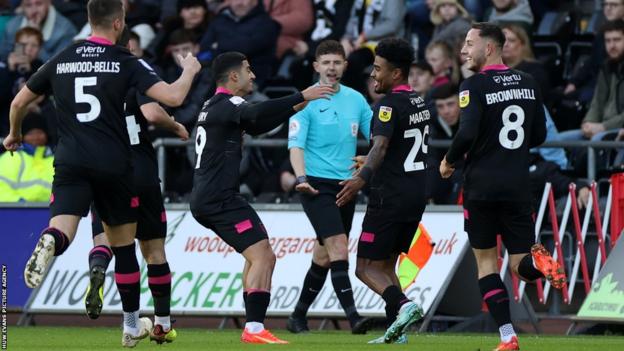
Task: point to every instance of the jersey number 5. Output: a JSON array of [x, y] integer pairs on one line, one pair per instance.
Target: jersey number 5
[[508, 126], [419, 143], [200, 142], [81, 97]]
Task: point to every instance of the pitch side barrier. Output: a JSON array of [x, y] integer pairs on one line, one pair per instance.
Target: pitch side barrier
[[591, 146], [206, 272]]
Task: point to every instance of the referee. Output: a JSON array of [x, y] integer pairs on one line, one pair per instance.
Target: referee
[[322, 141]]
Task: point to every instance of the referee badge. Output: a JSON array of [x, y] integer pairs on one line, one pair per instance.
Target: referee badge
[[464, 98], [385, 113], [293, 128], [354, 129]]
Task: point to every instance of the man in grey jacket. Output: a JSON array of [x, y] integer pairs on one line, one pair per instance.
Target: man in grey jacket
[[511, 11], [57, 30]]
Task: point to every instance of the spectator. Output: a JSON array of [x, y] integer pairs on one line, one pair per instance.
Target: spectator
[[27, 174], [517, 53], [192, 15], [134, 45], [421, 78], [542, 172], [330, 21], [511, 11], [443, 127], [583, 81], [57, 30], [451, 21], [295, 17], [606, 112], [369, 22], [477, 8], [442, 59], [5, 14], [21, 64], [419, 12], [243, 26], [182, 42]]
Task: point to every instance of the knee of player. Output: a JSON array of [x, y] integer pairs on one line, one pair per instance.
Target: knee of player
[[154, 256], [360, 270]]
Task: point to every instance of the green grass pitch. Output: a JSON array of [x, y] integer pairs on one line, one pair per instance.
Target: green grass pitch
[[70, 338]]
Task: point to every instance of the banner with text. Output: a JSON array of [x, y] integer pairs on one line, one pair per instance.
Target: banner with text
[[207, 278]]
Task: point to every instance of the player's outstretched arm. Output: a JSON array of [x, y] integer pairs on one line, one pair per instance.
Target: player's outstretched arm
[[156, 115], [173, 94], [264, 116], [374, 159], [17, 112], [298, 164]]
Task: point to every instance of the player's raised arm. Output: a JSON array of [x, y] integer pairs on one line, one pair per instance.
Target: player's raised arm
[[16, 115], [173, 94], [156, 115]]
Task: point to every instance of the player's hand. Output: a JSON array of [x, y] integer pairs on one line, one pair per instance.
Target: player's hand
[[583, 197], [350, 189], [358, 162], [317, 92], [12, 142], [306, 188], [189, 62], [445, 169], [181, 131]]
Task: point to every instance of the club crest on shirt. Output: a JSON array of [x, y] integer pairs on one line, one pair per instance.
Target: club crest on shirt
[[464, 98], [354, 129], [385, 113]]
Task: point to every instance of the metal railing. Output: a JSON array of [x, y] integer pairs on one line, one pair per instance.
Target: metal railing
[[591, 146]]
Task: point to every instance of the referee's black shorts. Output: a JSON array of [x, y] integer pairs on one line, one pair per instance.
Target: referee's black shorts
[[238, 227], [151, 217], [326, 217], [114, 195], [483, 220]]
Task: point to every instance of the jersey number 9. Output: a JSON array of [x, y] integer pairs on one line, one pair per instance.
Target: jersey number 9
[[200, 142]]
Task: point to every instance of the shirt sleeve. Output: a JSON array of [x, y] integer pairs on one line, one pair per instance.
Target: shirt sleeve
[[384, 117], [143, 99], [40, 82], [142, 75], [298, 129], [469, 118], [366, 115]]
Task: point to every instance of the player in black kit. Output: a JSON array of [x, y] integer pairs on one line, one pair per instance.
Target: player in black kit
[[151, 218], [215, 199], [395, 169], [89, 81], [502, 117]]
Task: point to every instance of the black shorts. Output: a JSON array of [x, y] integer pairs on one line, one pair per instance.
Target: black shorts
[[151, 217], [383, 237], [326, 217], [239, 228], [74, 188], [483, 220]]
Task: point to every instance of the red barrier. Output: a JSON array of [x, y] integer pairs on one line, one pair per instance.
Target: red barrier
[[617, 214], [579, 238], [598, 221], [555, 229]]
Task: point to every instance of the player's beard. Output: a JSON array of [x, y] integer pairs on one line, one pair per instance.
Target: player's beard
[[477, 63]]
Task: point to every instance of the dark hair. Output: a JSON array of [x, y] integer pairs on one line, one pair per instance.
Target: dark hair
[[491, 31], [330, 47], [398, 52], [424, 66], [225, 63], [124, 38], [444, 91], [183, 4], [181, 36], [134, 36], [102, 13], [30, 32], [612, 26]]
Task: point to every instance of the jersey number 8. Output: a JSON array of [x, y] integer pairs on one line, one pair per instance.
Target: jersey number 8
[[508, 126]]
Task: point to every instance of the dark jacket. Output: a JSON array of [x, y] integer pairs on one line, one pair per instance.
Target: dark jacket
[[610, 85], [254, 35]]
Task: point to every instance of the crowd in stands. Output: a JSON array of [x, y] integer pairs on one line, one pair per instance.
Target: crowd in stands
[[574, 49]]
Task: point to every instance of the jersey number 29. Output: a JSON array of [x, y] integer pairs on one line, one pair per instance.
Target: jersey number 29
[[419, 144]]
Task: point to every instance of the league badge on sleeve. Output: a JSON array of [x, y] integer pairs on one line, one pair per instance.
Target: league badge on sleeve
[[385, 113], [293, 128], [464, 98]]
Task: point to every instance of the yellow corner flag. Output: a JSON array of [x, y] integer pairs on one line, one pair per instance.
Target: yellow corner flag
[[414, 261]]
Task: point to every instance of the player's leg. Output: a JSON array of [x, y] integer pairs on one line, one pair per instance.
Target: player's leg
[[528, 260], [71, 196], [482, 223], [312, 285], [99, 258], [151, 232]]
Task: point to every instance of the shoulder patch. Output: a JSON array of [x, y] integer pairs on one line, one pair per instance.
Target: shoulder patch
[[385, 113], [293, 128], [237, 100], [464, 98]]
